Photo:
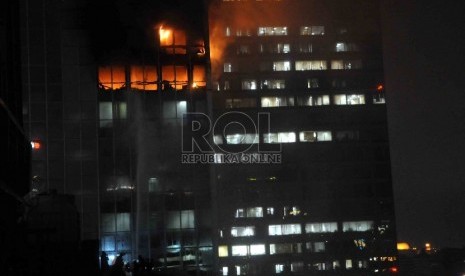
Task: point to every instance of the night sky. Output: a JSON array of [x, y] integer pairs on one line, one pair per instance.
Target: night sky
[[425, 71]]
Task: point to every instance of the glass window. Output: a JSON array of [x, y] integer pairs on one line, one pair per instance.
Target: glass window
[[280, 137], [239, 250], [313, 83], [305, 47], [236, 139], [243, 49], [357, 226], [257, 249], [241, 103], [225, 270], [297, 266], [348, 264], [313, 100], [277, 101], [379, 98], [281, 66], [106, 110], [243, 231], [217, 139], [223, 251], [272, 84], [312, 30], [346, 47], [240, 213], [111, 77], [255, 212], [347, 135], [267, 31], [346, 64], [249, 85], [285, 248], [355, 99], [279, 268], [306, 65], [321, 227], [123, 222], [315, 136], [227, 67], [284, 229]]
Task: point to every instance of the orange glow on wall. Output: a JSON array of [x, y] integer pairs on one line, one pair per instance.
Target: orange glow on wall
[[200, 77], [111, 77], [394, 269], [144, 77]]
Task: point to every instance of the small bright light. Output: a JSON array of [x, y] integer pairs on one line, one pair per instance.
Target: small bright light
[[380, 87], [35, 145]]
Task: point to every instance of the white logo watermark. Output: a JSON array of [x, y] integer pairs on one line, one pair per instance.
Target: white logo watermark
[[233, 138]]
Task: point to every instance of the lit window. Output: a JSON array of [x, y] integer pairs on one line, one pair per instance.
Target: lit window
[[239, 250], [297, 266], [315, 136], [227, 31], [348, 264], [272, 84], [272, 31], [355, 99], [313, 83], [223, 251], [279, 268], [280, 137], [277, 101], [379, 98], [319, 247], [236, 139], [281, 66], [284, 229], [106, 111], [227, 67], [225, 270], [226, 85], [144, 77], [255, 212], [111, 77], [357, 226], [217, 139], [346, 64], [270, 211], [240, 213], [306, 65], [285, 248], [346, 47], [312, 30], [313, 100], [249, 85], [243, 231], [321, 227], [257, 249]]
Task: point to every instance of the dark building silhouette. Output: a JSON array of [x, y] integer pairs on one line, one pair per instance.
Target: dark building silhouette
[[15, 147]]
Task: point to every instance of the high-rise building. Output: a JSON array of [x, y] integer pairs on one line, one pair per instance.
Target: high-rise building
[[104, 94], [303, 80]]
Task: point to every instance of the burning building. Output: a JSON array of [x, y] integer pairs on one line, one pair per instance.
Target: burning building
[[314, 69]]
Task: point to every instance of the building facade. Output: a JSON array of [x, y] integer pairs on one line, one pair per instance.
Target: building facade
[[314, 70], [104, 96]]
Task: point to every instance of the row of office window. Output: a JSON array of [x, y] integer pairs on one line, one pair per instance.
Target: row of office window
[[278, 137], [303, 47], [301, 65], [288, 137], [299, 266], [315, 100], [275, 31]]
